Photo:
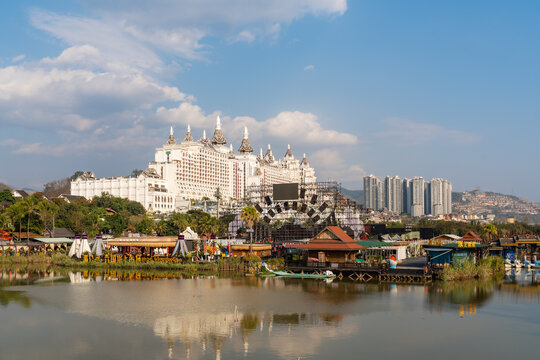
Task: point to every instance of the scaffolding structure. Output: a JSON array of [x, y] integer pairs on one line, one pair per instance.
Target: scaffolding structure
[[317, 205]]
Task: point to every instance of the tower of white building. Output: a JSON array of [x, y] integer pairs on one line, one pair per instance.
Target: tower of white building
[[190, 170]]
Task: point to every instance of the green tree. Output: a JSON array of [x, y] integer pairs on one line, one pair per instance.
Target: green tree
[[116, 224], [250, 216], [145, 226], [490, 230], [30, 206], [136, 172], [180, 221], [161, 227], [48, 211], [76, 174], [5, 222], [94, 221], [16, 213], [218, 197], [6, 199]]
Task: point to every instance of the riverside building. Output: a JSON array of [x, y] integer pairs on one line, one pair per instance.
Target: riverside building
[[415, 196], [193, 169]]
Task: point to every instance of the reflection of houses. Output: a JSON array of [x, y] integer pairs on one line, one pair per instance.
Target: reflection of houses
[[206, 330], [332, 245]]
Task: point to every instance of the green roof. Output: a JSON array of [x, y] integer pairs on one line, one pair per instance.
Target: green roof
[[373, 243], [58, 240]]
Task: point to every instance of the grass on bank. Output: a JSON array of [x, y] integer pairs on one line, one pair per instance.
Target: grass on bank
[[486, 267], [65, 261]]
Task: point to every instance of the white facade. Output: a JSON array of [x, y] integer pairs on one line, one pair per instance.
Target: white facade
[[191, 170], [148, 188]]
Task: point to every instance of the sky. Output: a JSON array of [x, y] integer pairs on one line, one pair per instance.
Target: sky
[[445, 89]]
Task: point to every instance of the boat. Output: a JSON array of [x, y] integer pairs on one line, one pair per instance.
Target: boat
[[266, 271]]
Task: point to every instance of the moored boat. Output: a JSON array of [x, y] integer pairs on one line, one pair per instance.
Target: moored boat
[[266, 271]]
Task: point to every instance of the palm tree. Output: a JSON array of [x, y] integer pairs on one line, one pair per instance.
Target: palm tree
[[205, 199], [16, 213], [250, 216], [30, 206], [160, 227], [181, 221], [218, 197], [5, 222], [490, 230], [48, 211]]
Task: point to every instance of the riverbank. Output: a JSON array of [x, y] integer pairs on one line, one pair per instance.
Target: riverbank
[[487, 267], [62, 260]]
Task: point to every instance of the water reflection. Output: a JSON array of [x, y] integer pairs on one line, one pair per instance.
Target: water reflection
[[12, 296], [231, 317]]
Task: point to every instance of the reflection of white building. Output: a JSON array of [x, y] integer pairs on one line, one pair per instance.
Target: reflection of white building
[[195, 169]]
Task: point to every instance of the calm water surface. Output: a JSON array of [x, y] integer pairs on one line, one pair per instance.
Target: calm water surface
[[55, 315]]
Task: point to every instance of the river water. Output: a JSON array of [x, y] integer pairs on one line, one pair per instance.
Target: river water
[[54, 315]]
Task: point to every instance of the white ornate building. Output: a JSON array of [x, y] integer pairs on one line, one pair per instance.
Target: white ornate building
[[193, 169]]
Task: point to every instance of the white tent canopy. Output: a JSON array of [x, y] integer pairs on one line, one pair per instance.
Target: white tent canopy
[[74, 250], [98, 247]]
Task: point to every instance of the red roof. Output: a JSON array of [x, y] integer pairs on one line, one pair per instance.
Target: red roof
[[332, 238], [470, 236]]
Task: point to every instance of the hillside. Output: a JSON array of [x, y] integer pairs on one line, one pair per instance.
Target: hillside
[[478, 202], [357, 195]]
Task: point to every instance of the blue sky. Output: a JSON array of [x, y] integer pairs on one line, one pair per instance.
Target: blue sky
[[408, 88]]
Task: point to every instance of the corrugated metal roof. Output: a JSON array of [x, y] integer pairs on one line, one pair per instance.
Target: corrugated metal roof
[[373, 243], [55, 240]]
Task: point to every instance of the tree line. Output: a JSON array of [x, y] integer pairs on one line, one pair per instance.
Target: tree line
[[104, 214]]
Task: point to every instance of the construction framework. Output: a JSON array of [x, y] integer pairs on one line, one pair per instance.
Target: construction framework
[[300, 218]]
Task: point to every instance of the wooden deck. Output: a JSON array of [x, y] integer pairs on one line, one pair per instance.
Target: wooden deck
[[364, 272]]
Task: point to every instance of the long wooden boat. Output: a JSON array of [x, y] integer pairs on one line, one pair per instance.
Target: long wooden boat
[[265, 271]]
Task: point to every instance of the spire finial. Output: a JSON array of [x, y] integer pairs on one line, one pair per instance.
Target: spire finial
[[269, 148], [218, 123], [188, 128], [171, 140], [246, 134], [204, 134], [288, 146], [260, 153]]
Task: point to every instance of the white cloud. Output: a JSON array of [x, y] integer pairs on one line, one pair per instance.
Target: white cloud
[[330, 164], [305, 127], [295, 126], [104, 87], [18, 58], [40, 96], [309, 68], [9, 142], [134, 33], [406, 132]]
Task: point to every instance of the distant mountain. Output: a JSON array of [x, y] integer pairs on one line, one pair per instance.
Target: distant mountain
[[4, 186], [357, 195], [479, 202]]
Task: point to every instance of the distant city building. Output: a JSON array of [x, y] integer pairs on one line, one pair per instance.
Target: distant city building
[[393, 194], [417, 190], [192, 170], [416, 196], [373, 193]]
